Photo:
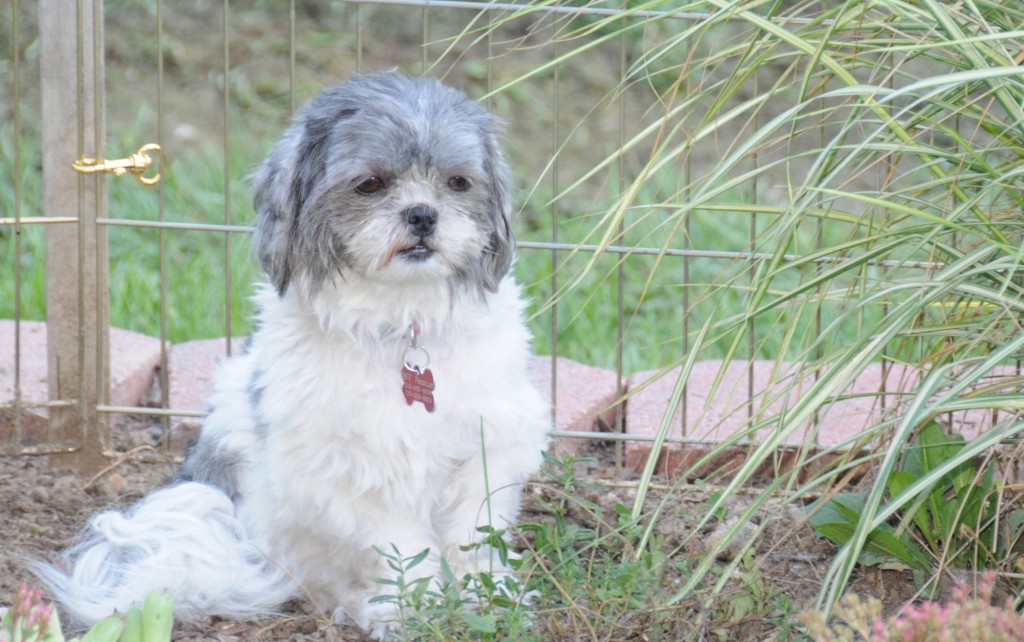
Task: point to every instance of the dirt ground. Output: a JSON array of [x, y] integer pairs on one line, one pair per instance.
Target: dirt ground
[[45, 508]]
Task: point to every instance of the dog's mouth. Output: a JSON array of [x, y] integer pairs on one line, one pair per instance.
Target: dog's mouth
[[419, 252]]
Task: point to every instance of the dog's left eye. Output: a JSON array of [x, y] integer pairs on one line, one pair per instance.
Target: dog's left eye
[[458, 183]]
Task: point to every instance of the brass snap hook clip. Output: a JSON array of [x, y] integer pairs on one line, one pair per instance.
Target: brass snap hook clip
[[137, 164]]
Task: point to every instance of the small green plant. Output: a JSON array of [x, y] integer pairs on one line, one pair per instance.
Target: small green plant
[[784, 619], [952, 522], [453, 608], [31, 620], [580, 576], [753, 597], [594, 574], [964, 618]]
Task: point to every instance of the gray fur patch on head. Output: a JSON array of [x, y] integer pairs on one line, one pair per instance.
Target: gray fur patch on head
[[427, 144]]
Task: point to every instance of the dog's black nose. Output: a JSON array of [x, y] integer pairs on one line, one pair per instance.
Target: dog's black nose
[[422, 219]]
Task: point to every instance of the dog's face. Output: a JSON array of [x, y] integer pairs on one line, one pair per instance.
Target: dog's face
[[388, 179]]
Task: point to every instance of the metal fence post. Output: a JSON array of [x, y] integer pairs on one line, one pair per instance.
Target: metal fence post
[[71, 69]]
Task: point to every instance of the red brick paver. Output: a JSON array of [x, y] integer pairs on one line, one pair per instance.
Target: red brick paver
[[133, 361]]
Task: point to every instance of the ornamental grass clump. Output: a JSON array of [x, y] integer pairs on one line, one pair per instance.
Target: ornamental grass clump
[[963, 618]]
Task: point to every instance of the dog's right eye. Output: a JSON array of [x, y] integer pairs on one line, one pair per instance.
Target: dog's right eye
[[370, 185]]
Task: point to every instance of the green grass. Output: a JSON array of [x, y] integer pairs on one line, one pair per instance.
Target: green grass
[[586, 572]]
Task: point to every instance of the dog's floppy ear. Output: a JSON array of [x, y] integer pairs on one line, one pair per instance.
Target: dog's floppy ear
[[498, 256], [275, 217], [282, 189]]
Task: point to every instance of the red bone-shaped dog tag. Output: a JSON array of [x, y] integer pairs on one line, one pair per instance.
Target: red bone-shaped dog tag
[[418, 386]]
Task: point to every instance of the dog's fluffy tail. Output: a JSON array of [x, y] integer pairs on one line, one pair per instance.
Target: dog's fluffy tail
[[185, 540]]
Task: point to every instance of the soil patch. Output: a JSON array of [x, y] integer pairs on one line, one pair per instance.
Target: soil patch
[[46, 508]]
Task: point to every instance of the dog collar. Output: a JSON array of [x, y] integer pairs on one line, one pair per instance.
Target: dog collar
[[417, 379]]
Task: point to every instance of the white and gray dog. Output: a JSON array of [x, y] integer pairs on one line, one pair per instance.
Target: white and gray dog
[[384, 390]]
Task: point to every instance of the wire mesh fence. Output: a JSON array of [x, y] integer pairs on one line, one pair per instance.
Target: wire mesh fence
[[659, 171]]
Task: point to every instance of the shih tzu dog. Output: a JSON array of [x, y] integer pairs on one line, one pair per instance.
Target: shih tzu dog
[[384, 400]]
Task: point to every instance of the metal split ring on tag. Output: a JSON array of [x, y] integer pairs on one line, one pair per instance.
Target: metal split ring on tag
[[417, 379], [416, 358]]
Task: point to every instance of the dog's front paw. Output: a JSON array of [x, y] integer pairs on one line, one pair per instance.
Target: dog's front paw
[[341, 617], [381, 620]]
